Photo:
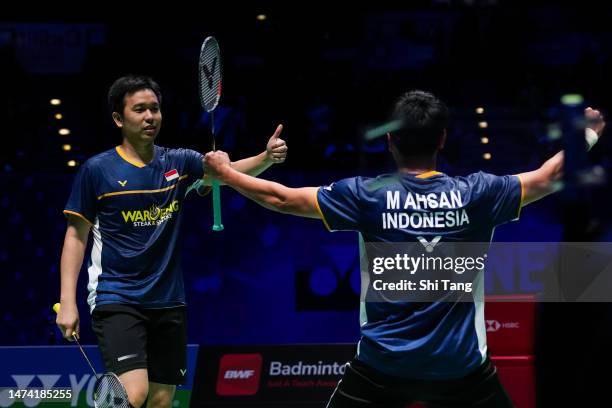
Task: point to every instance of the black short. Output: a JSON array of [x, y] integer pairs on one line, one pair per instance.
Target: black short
[[363, 387], [131, 337]]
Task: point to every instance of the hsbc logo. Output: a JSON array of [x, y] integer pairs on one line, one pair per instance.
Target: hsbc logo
[[239, 374], [494, 325]]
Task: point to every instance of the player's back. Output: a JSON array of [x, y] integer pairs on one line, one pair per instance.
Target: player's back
[[432, 340]]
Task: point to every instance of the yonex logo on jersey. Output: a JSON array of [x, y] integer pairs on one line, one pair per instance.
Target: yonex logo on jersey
[[329, 188], [183, 371], [122, 183], [429, 246], [239, 374]]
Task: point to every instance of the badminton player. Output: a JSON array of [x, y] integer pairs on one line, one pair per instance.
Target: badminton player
[[433, 352], [130, 198]]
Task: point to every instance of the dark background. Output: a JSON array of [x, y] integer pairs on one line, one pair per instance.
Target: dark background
[[327, 75]]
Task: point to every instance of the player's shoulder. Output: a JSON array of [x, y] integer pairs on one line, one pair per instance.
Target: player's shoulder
[[175, 153], [469, 178], [479, 177], [486, 183], [476, 182], [100, 160], [487, 178], [365, 186], [382, 181], [397, 180], [355, 181]]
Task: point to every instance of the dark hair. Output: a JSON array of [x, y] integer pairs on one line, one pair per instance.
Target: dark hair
[[422, 118], [127, 85]]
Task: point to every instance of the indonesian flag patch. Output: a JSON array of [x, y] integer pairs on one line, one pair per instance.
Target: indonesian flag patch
[[171, 175]]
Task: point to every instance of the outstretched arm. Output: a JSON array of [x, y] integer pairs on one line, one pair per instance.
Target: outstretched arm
[[276, 152], [274, 196], [539, 183]]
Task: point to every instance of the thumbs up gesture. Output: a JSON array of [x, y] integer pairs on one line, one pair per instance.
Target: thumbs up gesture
[[276, 149]]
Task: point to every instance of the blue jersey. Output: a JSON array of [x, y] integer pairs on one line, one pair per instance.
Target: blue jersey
[[135, 214], [434, 340]]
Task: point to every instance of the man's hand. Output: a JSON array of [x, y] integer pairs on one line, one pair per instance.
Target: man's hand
[[68, 320], [276, 149], [595, 126], [595, 120], [541, 182], [216, 163]]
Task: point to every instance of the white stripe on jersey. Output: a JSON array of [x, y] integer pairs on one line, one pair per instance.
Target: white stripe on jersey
[[363, 266], [95, 269], [479, 319]]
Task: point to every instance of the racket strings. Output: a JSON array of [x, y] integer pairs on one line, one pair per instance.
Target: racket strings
[[210, 74], [109, 393]]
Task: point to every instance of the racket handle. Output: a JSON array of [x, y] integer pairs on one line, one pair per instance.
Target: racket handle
[[56, 309], [75, 337], [217, 225]]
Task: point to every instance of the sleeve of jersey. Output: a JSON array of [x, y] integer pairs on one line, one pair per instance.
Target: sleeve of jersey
[[505, 193], [83, 200], [338, 204], [194, 165]]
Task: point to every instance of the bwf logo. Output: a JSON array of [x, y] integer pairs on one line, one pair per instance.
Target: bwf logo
[[239, 374]]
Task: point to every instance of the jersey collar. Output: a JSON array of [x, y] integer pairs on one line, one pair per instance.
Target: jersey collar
[[122, 154], [427, 174]]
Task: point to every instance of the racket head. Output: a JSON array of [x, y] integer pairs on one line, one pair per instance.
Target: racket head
[[109, 392], [209, 73]]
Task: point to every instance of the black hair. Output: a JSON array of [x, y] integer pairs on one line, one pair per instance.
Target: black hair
[[422, 119], [127, 85]]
